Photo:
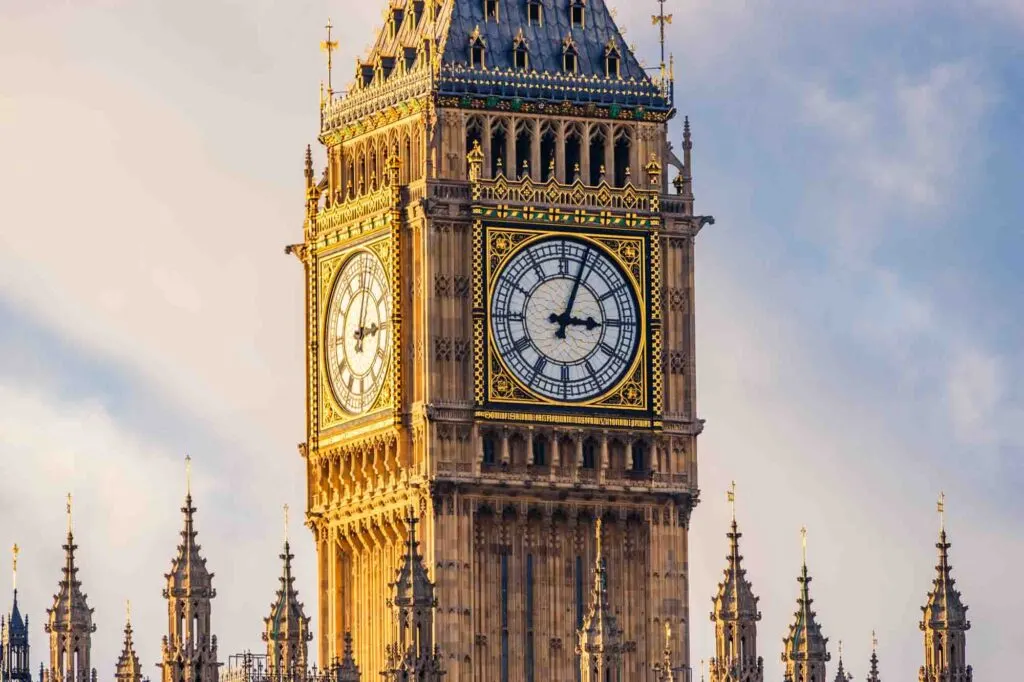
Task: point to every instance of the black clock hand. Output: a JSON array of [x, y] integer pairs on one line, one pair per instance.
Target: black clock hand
[[590, 323], [360, 332], [563, 320]]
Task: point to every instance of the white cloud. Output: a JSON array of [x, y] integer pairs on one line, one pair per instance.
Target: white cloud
[[975, 388]]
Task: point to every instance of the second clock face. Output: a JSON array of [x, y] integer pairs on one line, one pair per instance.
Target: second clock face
[[565, 319], [358, 343]]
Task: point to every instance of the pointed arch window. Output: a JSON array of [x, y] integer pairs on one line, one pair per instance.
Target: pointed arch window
[[577, 13], [534, 12], [521, 52], [570, 56], [612, 60], [477, 50]]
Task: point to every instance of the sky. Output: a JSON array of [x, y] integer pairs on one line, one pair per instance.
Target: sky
[[858, 303]]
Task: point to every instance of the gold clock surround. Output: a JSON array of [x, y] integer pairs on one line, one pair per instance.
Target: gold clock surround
[[332, 412], [501, 387]]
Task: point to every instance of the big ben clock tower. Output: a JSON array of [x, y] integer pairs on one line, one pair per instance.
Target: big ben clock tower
[[500, 340]]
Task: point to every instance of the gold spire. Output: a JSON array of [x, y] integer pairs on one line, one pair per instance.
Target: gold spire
[[732, 499], [942, 512], [329, 46], [15, 551], [188, 474], [69, 513], [803, 539], [286, 523], [128, 611]]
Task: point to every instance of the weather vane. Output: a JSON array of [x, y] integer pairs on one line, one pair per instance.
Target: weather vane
[[329, 46], [661, 20]]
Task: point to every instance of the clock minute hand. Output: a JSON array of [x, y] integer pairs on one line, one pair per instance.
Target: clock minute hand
[[563, 319]]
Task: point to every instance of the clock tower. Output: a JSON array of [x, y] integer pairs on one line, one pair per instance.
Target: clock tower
[[500, 341]]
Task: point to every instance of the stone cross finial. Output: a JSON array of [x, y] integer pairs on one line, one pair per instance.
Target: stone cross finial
[[732, 499]]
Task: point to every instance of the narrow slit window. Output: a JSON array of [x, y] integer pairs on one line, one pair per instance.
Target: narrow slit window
[[577, 14], [522, 58], [491, 10], [612, 62], [478, 54], [535, 13], [570, 59]]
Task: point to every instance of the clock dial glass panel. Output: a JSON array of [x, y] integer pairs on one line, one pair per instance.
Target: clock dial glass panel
[[358, 343], [565, 319]]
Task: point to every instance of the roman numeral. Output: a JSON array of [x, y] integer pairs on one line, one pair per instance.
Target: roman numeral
[[611, 292], [614, 352], [522, 343], [538, 367]]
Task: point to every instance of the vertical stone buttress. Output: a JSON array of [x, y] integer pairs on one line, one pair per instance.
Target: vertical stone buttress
[[189, 648], [945, 626], [735, 615]]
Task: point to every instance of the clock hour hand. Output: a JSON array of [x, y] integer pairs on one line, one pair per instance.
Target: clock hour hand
[[590, 323], [362, 332]]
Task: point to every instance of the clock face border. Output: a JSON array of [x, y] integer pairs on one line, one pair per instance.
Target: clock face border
[[629, 251], [330, 267]]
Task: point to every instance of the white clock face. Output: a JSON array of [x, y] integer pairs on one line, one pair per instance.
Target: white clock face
[[565, 319], [358, 343]]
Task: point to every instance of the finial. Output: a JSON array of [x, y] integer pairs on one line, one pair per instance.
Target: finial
[[286, 523], [329, 46], [15, 551], [732, 499], [597, 534], [188, 475], [128, 611], [803, 539], [702, 670], [942, 512], [840, 651], [874, 642], [69, 513]]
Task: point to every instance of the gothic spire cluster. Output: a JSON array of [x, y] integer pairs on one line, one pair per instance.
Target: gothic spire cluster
[[286, 629], [600, 639], [128, 667], [69, 621], [414, 657], [805, 648], [735, 615]]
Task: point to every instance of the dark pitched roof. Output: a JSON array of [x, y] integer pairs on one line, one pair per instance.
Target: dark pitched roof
[[545, 41], [409, 33]]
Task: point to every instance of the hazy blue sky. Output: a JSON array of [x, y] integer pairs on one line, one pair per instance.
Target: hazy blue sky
[[859, 312]]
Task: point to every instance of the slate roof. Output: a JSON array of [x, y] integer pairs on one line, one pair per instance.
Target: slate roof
[[544, 41], [402, 46]]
